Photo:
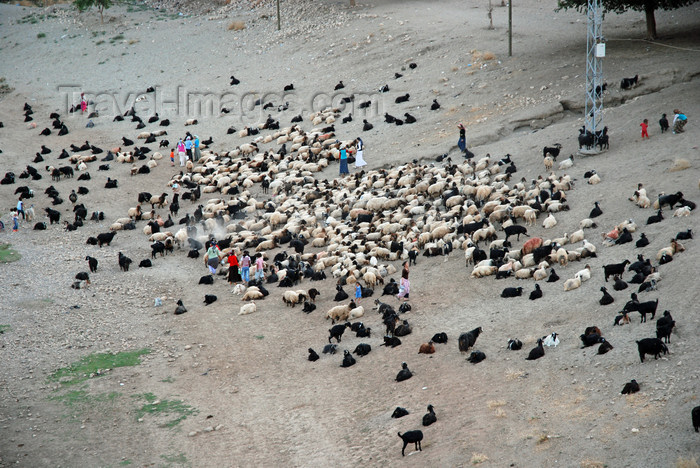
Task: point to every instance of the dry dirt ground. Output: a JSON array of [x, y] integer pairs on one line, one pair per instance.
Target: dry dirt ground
[[242, 384]]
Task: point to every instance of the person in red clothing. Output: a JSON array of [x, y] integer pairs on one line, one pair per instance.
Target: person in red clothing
[[645, 126], [234, 274]]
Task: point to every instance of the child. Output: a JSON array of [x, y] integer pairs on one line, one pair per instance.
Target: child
[[15, 221], [358, 293], [645, 126], [172, 156]]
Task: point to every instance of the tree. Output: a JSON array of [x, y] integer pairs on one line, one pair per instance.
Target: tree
[[620, 6], [101, 5]]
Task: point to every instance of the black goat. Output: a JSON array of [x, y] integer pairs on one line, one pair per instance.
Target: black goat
[[512, 292], [615, 269], [655, 218], [348, 360], [467, 340], [439, 338], [337, 331], [413, 437], [651, 346], [607, 299], [664, 327], [627, 83], [399, 412], [124, 262]]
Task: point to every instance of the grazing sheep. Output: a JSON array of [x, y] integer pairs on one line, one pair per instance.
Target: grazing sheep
[[651, 346], [467, 340], [248, 309], [411, 437], [404, 373], [427, 348], [399, 412]]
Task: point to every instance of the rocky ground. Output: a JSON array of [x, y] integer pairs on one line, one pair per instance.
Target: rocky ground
[[243, 386]]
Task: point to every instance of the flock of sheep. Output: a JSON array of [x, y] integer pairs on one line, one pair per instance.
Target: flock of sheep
[[265, 196]]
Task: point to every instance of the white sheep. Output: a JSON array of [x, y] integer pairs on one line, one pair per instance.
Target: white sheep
[[567, 163], [356, 313], [479, 272], [572, 283], [594, 179], [682, 211], [576, 236], [549, 222], [339, 313], [584, 274], [253, 293], [248, 309]]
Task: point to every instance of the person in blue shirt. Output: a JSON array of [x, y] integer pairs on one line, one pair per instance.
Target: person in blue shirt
[[197, 154], [344, 162]]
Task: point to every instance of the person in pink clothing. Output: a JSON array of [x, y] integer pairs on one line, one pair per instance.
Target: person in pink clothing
[[181, 152], [83, 103], [259, 267], [645, 126]]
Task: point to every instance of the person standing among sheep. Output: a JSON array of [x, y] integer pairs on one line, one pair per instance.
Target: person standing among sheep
[[188, 146], [234, 272], [358, 293], [172, 156], [645, 127], [679, 121], [213, 256], [20, 209], [259, 267], [197, 154], [83, 103], [405, 285], [245, 267], [462, 142], [344, 162], [359, 148], [15, 221], [181, 152]]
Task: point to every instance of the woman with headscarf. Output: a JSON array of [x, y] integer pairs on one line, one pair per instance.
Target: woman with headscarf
[[212, 257], [234, 273], [462, 142], [359, 147]]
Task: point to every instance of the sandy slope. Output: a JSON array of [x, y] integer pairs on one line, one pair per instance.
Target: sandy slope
[[249, 373]]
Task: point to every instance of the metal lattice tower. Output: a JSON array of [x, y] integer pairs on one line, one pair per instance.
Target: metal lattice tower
[[595, 51]]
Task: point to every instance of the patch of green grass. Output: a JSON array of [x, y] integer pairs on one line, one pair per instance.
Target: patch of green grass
[[94, 365], [41, 35], [259, 337], [179, 459], [76, 398], [100, 42], [166, 408], [7, 254], [166, 380], [116, 38], [125, 463], [4, 328]]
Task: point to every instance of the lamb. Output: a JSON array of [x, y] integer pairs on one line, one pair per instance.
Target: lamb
[[615, 269], [467, 340], [249, 309], [567, 163], [651, 346], [411, 437]]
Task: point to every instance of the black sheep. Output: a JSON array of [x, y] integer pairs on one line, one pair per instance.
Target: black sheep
[[515, 230], [207, 279], [105, 238], [642, 241], [391, 341], [313, 357], [630, 387], [553, 277], [537, 293], [124, 262], [664, 327], [404, 373], [439, 338], [308, 307], [146, 263], [695, 413], [362, 349], [651, 346], [512, 292], [467, 340], [476, 357], [607, 299], [209, 299], [411, 437], [515, 344], [348, 360], [399, 412], [604, 347], [536, 352], [337, 331]]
